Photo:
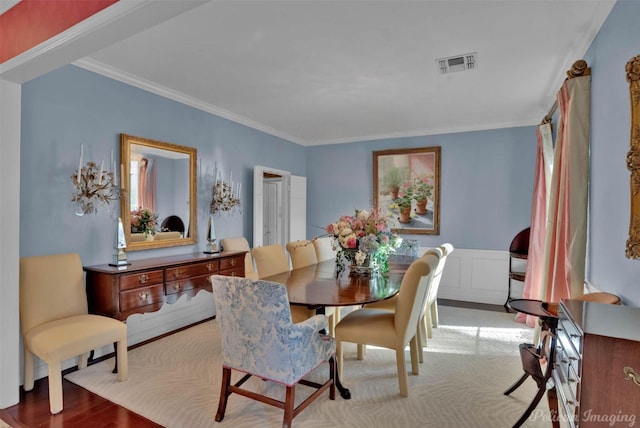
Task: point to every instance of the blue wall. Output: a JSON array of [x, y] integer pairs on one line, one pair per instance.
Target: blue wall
[[71, 106], [486, 176], [486, 183], [616, 43]]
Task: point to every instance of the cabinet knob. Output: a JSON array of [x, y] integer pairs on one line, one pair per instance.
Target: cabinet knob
[[210, 267], [209, 280], [177, 286], [233, 262], [630, 374], [143, 278], [177, 272], [143, 296]]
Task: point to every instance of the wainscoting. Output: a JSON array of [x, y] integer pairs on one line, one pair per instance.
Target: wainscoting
[[478, 276]]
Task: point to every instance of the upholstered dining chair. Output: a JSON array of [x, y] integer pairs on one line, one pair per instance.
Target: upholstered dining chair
[[425, 321], [302, 253], [324, 248], [271, 260], [55, 322], [240, 243], [259, 339], [392, 329]]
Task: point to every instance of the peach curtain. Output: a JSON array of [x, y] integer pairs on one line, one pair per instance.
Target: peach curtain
[[147, 185], [541, 190], [565, 248]]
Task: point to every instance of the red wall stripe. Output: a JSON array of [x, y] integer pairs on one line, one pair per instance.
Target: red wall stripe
[[31, 22]]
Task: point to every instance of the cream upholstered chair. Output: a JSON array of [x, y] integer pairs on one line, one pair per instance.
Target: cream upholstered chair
[[259, 339], [392, 330], [240, 243], [431, 316], [302, 253], [324, 248], [55, 322], [424, 323], [272, 260]]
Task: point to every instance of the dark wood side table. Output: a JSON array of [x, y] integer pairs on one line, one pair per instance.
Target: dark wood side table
[[532, 356]]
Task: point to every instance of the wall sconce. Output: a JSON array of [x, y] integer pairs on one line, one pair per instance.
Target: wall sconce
[[225, 197], [93, 186]]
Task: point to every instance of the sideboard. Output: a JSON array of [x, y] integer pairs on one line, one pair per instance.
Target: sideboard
[[146, 285], [597, 364]]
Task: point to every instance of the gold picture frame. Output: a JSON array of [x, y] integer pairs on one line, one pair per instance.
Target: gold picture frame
[[406, 185], [632, 69]]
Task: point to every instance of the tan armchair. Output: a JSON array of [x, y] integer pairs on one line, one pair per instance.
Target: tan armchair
[[302, 253], [324, 248], [55, 322], [271, 260], [392, 330], [240, 244]]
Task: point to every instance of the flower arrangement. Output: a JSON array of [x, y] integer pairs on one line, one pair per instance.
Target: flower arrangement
[[359, 237], [143, 221]]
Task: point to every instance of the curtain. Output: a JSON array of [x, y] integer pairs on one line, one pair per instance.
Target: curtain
[[147, 185], [541, 189], [565, 244]]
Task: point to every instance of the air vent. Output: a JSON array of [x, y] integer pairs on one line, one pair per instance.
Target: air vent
[[457, 63]]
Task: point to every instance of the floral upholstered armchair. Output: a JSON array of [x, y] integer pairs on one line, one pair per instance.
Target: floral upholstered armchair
[[259, 338]]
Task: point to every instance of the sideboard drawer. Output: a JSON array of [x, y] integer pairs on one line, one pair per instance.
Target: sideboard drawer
[[189, 271], [141, 279], [141, 297], [189, 284], [232, 263]]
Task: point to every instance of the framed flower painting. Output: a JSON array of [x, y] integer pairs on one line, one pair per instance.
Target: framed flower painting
[[406, 184]]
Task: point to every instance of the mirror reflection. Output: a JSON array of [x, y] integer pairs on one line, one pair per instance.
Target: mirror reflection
[[159, 207]]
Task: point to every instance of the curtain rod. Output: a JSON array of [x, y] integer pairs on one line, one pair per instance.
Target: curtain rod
[[579, 68]]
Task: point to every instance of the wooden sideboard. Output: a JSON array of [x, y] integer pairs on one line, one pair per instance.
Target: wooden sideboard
[[145, 285], [597, 364]]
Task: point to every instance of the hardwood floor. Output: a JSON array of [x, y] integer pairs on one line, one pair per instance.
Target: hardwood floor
[[83, 409]]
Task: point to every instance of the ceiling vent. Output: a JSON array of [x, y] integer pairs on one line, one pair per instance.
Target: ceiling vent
[[457, 63]]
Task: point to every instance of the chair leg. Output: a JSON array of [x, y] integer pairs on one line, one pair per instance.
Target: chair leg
[[517, 384], [434, 314], [29, 376], [403, 380], [224, 393], [339, 357], [428, 323], [290, 396], [83, 359], [55, 386], [532, 406], [413, 349], [122, 360], [552, 398], [362, 349]]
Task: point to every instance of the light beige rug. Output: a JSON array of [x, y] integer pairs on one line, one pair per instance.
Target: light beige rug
[[472, 358]]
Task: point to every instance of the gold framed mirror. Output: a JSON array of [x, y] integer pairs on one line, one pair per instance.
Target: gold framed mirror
[[159, 203]]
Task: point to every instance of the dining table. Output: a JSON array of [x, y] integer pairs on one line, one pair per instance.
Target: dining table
[[322, 285]]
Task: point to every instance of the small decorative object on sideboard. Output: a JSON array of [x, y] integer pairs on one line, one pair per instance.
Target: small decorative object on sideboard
[[119, 256], [93, 186], [212, 246]]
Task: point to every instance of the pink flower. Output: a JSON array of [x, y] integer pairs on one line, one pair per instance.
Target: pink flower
[[352, 242]]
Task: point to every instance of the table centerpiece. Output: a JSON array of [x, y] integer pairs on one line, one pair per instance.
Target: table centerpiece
[[363, 241]]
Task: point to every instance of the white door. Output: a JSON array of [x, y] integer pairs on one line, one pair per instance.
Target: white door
[[279, 203], [298, 204]]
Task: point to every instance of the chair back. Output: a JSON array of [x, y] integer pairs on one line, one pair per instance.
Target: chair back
[[51, 287], [324, 248], [302, 253], [445, 250], [172, 223], [412, 296], [254, 317], [270, 260], [240, 243]]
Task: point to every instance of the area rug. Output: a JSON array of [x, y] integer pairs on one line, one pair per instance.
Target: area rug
[[471, 359]]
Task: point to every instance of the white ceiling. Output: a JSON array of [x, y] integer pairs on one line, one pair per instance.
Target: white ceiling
[[320, 72]]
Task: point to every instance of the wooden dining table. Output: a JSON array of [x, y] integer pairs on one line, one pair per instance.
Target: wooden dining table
[[320, 285]]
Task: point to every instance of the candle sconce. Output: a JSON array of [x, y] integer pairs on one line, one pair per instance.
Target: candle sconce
[[93, 187], [225, 197]]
